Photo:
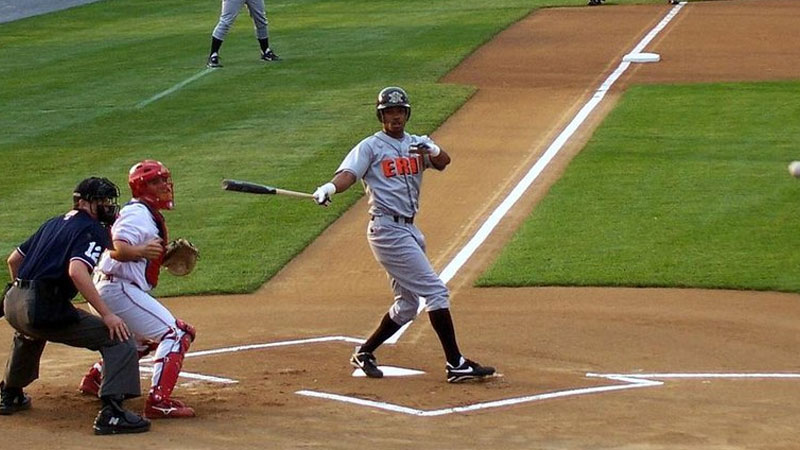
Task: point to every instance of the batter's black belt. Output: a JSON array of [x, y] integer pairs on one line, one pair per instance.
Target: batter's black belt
[[400, 219]]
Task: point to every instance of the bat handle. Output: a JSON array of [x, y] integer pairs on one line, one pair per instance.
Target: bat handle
[[293, 193]]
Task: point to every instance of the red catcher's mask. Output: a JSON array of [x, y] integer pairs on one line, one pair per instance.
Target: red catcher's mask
[[151, 182]]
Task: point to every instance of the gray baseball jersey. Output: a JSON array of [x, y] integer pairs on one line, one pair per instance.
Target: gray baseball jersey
[[392, 178], [391, 175]]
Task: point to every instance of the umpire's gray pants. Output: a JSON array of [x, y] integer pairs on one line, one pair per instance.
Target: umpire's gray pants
[[120, 359], [231, 8]]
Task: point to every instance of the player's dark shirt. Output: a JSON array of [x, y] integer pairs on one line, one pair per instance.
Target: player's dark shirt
[[48, 253]]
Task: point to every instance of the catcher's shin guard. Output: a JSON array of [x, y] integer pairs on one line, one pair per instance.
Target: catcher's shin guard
[[167, 368], [90, 383]]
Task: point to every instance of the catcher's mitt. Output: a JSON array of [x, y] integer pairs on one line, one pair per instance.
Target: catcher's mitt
[[180, 257]]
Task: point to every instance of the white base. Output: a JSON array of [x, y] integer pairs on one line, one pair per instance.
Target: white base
[[389, 371], [641, 57]]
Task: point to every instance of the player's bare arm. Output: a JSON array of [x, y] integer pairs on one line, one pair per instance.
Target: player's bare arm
[[126, 252], [14, 261], [82, 279]]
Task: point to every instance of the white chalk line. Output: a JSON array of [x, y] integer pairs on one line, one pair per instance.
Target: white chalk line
[[175, 88], [628, 380], [632, 381], [240, 348], [505, 206]]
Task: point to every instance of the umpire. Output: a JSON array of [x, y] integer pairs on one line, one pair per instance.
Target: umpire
[[48, 270]]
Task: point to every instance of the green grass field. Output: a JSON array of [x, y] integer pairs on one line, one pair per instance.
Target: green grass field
[[74, 83], [681, 186]]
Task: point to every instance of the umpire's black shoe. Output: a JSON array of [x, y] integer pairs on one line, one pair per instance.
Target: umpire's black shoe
[[213, 61], [12, 400], [366, 362], [269, 55], [114, 419], [468, 370]]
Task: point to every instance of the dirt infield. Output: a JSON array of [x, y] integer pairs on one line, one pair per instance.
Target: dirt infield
[[583, 368]]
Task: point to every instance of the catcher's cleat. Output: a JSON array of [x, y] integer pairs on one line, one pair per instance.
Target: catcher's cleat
[[114, 419], [213, 61], [468, 370], [366, 362], [269, 55], [167, 409], [13, 400]]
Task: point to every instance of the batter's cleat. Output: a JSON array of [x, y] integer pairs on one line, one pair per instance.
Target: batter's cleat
[[468, 370], [213, 61], [114, 419], [90, 383], [13, 400], [366, 362], [269, 55], [167, 409]]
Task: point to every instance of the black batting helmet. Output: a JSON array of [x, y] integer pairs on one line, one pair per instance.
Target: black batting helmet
[[389, 97]]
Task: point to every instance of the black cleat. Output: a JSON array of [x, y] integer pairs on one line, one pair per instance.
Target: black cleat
[[269, 55], [366, 362], [468, 370], [213, 61], [114, 419], [13, 400]]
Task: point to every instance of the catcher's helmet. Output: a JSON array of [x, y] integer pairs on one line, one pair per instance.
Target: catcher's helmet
[[102, 189], [140, 177], [389, 97]]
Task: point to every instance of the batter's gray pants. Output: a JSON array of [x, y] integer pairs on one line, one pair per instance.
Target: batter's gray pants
[[231, 8], [120, 359], [400, 248]]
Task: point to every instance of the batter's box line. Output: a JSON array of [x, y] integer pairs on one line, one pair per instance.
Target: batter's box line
[[241, 348], [632, 381]]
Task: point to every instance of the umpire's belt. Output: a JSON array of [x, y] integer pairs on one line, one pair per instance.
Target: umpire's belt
[[398, 219], [24, 284]]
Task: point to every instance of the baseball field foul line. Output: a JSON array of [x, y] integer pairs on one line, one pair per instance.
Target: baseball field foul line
[[505, 206], [177, 87]]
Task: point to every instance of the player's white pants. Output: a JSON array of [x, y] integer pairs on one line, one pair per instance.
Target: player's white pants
[[400, 248], [146, 318], [231, 8]]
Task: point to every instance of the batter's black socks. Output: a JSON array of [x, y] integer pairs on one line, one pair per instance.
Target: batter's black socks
[[442, 323], [385, 330]]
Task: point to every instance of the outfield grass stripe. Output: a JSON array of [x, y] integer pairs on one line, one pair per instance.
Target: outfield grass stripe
[[175, 88]]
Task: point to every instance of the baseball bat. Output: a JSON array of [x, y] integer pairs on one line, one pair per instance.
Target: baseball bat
[[256, 188]]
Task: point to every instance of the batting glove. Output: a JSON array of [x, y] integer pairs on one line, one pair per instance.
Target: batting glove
[[425, 147], [324, 193]]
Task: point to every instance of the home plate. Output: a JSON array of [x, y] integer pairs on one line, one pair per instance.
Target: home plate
[[641, 57], [389, 371]]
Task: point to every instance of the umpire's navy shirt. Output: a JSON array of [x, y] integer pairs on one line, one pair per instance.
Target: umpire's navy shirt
[[60, 240]]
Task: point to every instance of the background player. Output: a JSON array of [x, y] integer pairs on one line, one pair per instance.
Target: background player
[[230, 9], [48, 270], [390, 164], [127, 273]]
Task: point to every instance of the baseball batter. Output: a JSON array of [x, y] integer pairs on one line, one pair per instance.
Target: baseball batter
[[230, 9], [390, 164], [126, 274]]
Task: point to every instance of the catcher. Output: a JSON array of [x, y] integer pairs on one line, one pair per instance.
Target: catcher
[[129, 271]]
